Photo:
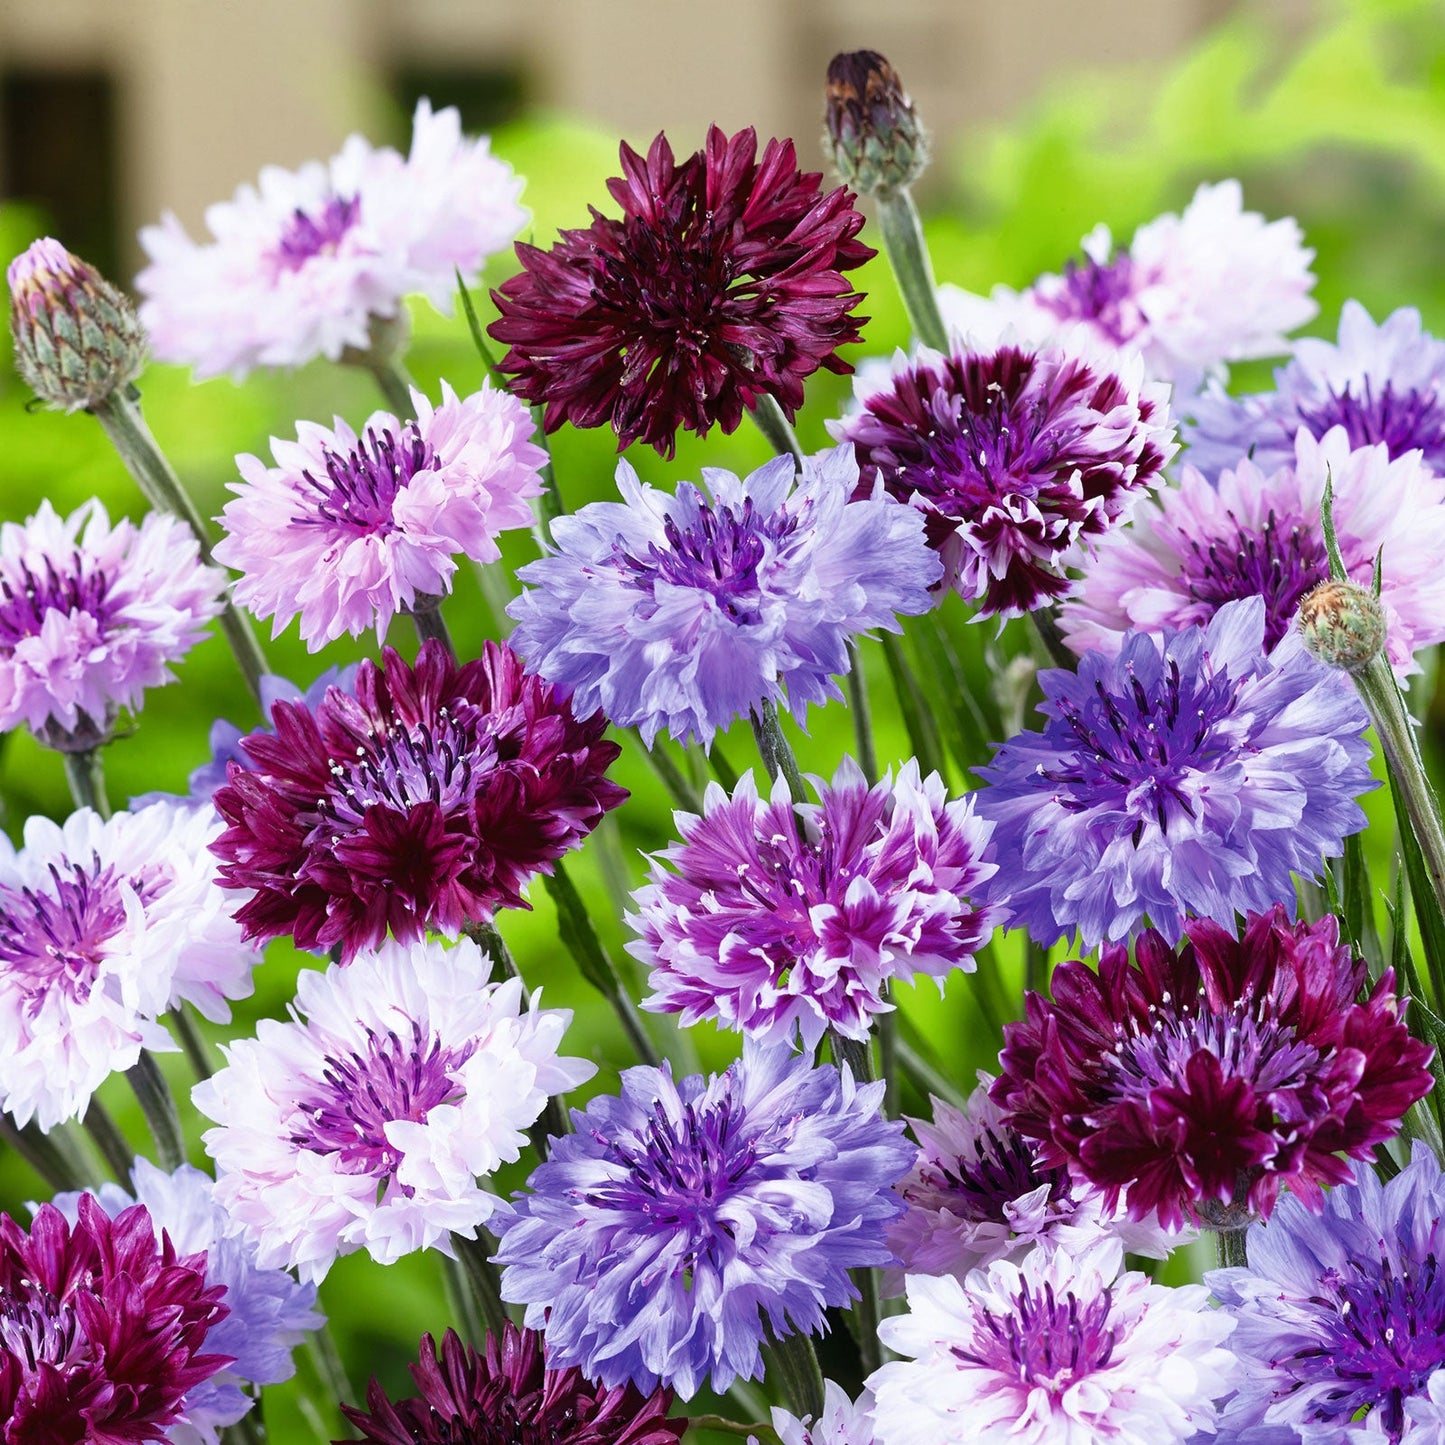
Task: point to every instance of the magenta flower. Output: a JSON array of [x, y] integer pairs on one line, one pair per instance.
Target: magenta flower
[[103, 1328], [780, 935], [1204, 1080], [346, 531], [91, 615], [722, 282], [1019, 460], [426, 801]]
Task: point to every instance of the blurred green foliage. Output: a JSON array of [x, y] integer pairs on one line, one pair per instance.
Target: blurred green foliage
[[1342, 125]]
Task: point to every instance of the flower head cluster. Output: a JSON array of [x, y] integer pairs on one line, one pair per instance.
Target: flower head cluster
[[1384, 384], [1191, 774], [105, 925], [722, 283], [1019, 460], [1340, 1331], [1189, 550], [1203, 1080], [784, 920], [980, 1192], [507, 1392], [303, 263], [681, 1220], [364, 1121], [841, 1422], [679, 614], [1192, 292], [91, 615], [1059, 1349], [269, 1313], [425, 801], [346, 531], [104, 1329]]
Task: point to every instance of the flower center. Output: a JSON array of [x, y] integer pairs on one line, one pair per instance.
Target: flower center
[[360, 487], [1001, 1169], [39, 1330], [393, 1079], [1044, 1342], [305, 235], [1403, 420], [1098, 292], [1280, 563], [25, 600]]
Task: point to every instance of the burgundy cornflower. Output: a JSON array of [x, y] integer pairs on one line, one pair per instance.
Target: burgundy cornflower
[[102, 1328], [722, 282], [1205, 1079], [425, 801], [507, 1394]]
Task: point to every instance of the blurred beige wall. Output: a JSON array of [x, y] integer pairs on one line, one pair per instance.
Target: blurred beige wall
[[210, 90]]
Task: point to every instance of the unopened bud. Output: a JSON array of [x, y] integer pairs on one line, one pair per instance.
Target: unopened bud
[[77, 337], [1343, 625], [873, 137]]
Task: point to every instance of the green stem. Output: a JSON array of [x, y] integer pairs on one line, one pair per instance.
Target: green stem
[[326, 1363], [248, 1430], [484, 1282], [775, 426], [197, 1050], [724, 1426], [463, 1301], [395, 385], [112, 1144], [159, 1108], [86, 775], [120, 418], [923, 735], [53, 1156], [856, 1053], [862, 714], [1231, 1246], [673, 779], [907, 253], [773, 748], [1052, 639], [426, 616], [888, 1060], [794, 1363], [926, 1079]]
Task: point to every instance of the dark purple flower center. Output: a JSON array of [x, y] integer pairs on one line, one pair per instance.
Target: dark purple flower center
[[39, 1330], [58, 937], [1098, 292], [1002, 1169], [1381, 1346], [719, 553], [393, 1079], [23, 604], [1403, 420], [360, 487], [306, 235], [1044, 1342], [1280, 563], [1137, 751]]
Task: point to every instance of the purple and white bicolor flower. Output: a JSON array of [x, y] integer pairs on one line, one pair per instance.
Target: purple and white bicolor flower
[[841, 1422]]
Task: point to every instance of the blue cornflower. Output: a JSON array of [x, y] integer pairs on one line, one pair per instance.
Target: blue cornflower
[[684, 1219], [1341, 1316], [1190, 775], [678, 614]]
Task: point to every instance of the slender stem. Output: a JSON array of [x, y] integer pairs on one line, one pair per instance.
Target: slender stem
[[86, 775], [120, 418], [927, 1079], [907, 253], [724, 1426], [112, 1144], [856, 1053], [52, 1156], [867, 1313], [773, 748], [550, 503], [159, 1107], [748, 1398], [248, 1430], [198, 1051], [888, 1060], [862, 714], [1231, 1246], [484, 1281], [326, 1362], [775, 426], [918, 717], [430, 624], [463, 1301], [723, 770], [674, 780], [391, 376], [795, 1363], [1053, 639]]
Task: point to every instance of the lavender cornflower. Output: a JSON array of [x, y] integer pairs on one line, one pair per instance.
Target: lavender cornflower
[[365, 1121], [1192, 774], [785, 919], [346, 531], [682, 1220], [1060, 1349], [269, 1312], [1019, 460], [841, 1422], [1384, 384], [679, 614], [91, 615], [1190, 549], [1341, 1316]]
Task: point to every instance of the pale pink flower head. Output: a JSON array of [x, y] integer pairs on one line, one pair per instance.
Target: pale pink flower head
[[346, 531], [104, 926], [301, 263], [91, 615], [841, 1422], [1190, 549], [366, 1120]]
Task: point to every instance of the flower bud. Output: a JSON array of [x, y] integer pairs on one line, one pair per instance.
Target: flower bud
[[77, 338], [1343, 625], [873, 137]]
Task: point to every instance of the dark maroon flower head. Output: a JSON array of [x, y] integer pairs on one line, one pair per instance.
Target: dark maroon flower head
[[426, 801], [507, 1396], [1205, 1079], [722, 282], [101, 1328], [1019, 459]]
